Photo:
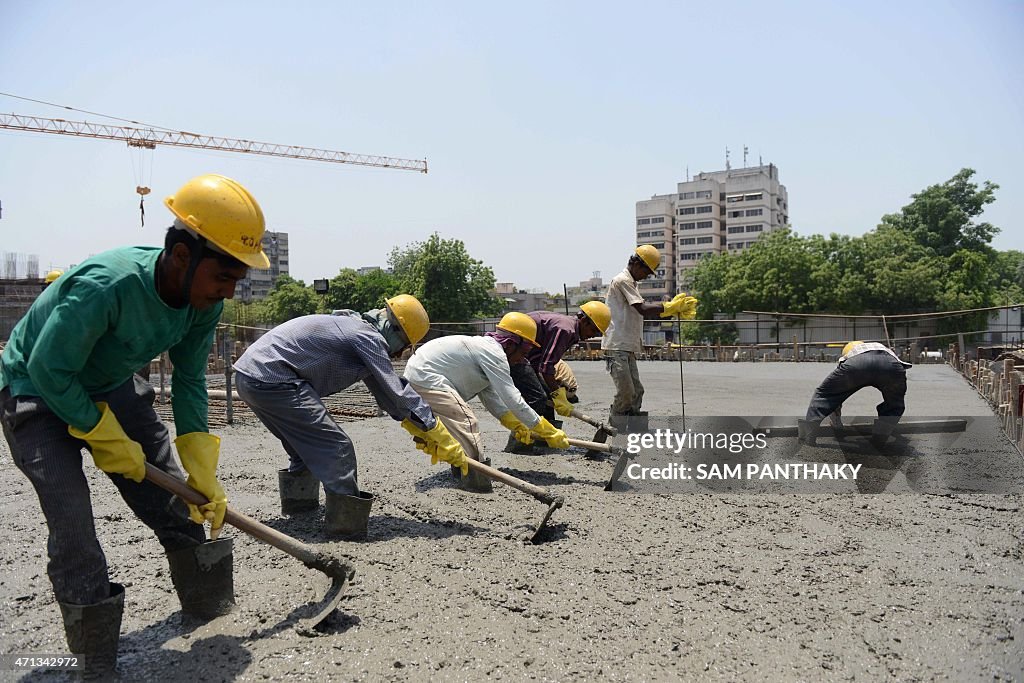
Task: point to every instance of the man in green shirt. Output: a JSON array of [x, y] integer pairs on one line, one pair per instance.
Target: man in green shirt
[[67, 382]]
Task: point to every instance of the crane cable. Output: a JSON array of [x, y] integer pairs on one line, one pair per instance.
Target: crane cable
[[142, 182]]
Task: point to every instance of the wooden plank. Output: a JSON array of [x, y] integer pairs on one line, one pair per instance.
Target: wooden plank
[[864, 428]]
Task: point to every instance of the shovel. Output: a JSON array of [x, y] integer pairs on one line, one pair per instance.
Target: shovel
[[620, 465], [553, 502], [336, 570]]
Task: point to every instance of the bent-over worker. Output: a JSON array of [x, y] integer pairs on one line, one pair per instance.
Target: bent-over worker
[[286, 373]]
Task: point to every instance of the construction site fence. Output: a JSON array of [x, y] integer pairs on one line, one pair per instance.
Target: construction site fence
[[1000, 382]]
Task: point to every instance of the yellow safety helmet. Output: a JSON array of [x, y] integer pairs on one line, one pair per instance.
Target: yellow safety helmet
[[521, 324], [650, 255], [849, 346], [411, 316], [222, 211], [52, 275], [599, 314]]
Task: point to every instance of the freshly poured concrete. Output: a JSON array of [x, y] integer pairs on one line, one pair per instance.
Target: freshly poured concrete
[[625, 586]]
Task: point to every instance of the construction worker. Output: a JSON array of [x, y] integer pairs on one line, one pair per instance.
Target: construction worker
[[284, 376], [623, 339], [535, 376], [862, 364], [50, 277], [449, 371], [67, 382]]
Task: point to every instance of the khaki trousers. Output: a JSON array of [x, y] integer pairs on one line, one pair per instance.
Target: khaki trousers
[[457, 417]]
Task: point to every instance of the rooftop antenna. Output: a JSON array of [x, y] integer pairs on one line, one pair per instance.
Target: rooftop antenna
[[727, 166], [687, 173], [759, 162], [744, 156]]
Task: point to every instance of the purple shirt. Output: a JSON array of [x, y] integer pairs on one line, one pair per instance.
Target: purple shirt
[[556, 334]]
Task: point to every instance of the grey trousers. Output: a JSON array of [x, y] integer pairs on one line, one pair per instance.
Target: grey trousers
[[296, 415], [870, 369], [52, 460], [629, 392]]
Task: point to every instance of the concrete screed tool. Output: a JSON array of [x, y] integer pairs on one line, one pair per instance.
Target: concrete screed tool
[[337, 571], [543, 495], [864, 428]]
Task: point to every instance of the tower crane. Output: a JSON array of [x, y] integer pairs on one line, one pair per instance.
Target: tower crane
[[149, 138]]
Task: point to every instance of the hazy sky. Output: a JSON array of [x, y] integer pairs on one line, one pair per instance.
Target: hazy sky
[[543, 122]]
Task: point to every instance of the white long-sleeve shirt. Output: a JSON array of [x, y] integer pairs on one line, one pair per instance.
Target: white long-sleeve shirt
[[470, 366]]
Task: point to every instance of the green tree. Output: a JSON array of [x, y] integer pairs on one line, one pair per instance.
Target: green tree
[[289, 299], [941, 217], [779, 273], [349, 289], [451, 285], [902, 276]]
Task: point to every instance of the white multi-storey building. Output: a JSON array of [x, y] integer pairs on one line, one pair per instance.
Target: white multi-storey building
[[258, 283], [710, 214]]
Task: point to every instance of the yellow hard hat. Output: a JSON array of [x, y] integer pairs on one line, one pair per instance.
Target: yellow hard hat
[[521, 324], [599, 314], [411, 316], [650, 255], [223, 212], [849, 347], [52, 275]]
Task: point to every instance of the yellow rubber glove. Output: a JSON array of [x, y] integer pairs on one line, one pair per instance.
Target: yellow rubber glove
[[446, 448], [561, 401], [555, 438], [112, 450], [439, 444], [199, 453], [418, 435], [520, 431], [682, 306]]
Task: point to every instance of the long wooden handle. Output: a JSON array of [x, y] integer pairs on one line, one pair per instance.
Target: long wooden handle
[[611, 431], [526, 487], [595, 446], [295, 548]]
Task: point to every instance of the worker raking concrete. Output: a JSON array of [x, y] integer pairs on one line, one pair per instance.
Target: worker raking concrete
[[862, 364], [623, 339], [67, 382], [450, 371], [537, 375], [284, 376]]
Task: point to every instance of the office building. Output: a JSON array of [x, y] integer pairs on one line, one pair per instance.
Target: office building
[[715, 212]]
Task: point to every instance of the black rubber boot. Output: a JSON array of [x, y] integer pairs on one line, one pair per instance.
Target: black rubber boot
[[203, 577], [348, 516], [93, 632], [300, 491], [514, 445], [633, 422], [474, 482], [882, 430], [807, 431]]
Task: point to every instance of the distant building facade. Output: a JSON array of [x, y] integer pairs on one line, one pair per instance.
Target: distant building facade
[[256, 285], [522, 301], [716, 212]]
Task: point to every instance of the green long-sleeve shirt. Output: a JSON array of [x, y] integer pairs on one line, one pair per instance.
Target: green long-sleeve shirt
[[95, 326]]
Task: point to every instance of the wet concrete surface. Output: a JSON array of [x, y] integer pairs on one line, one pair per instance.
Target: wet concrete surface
[[625, 586]]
